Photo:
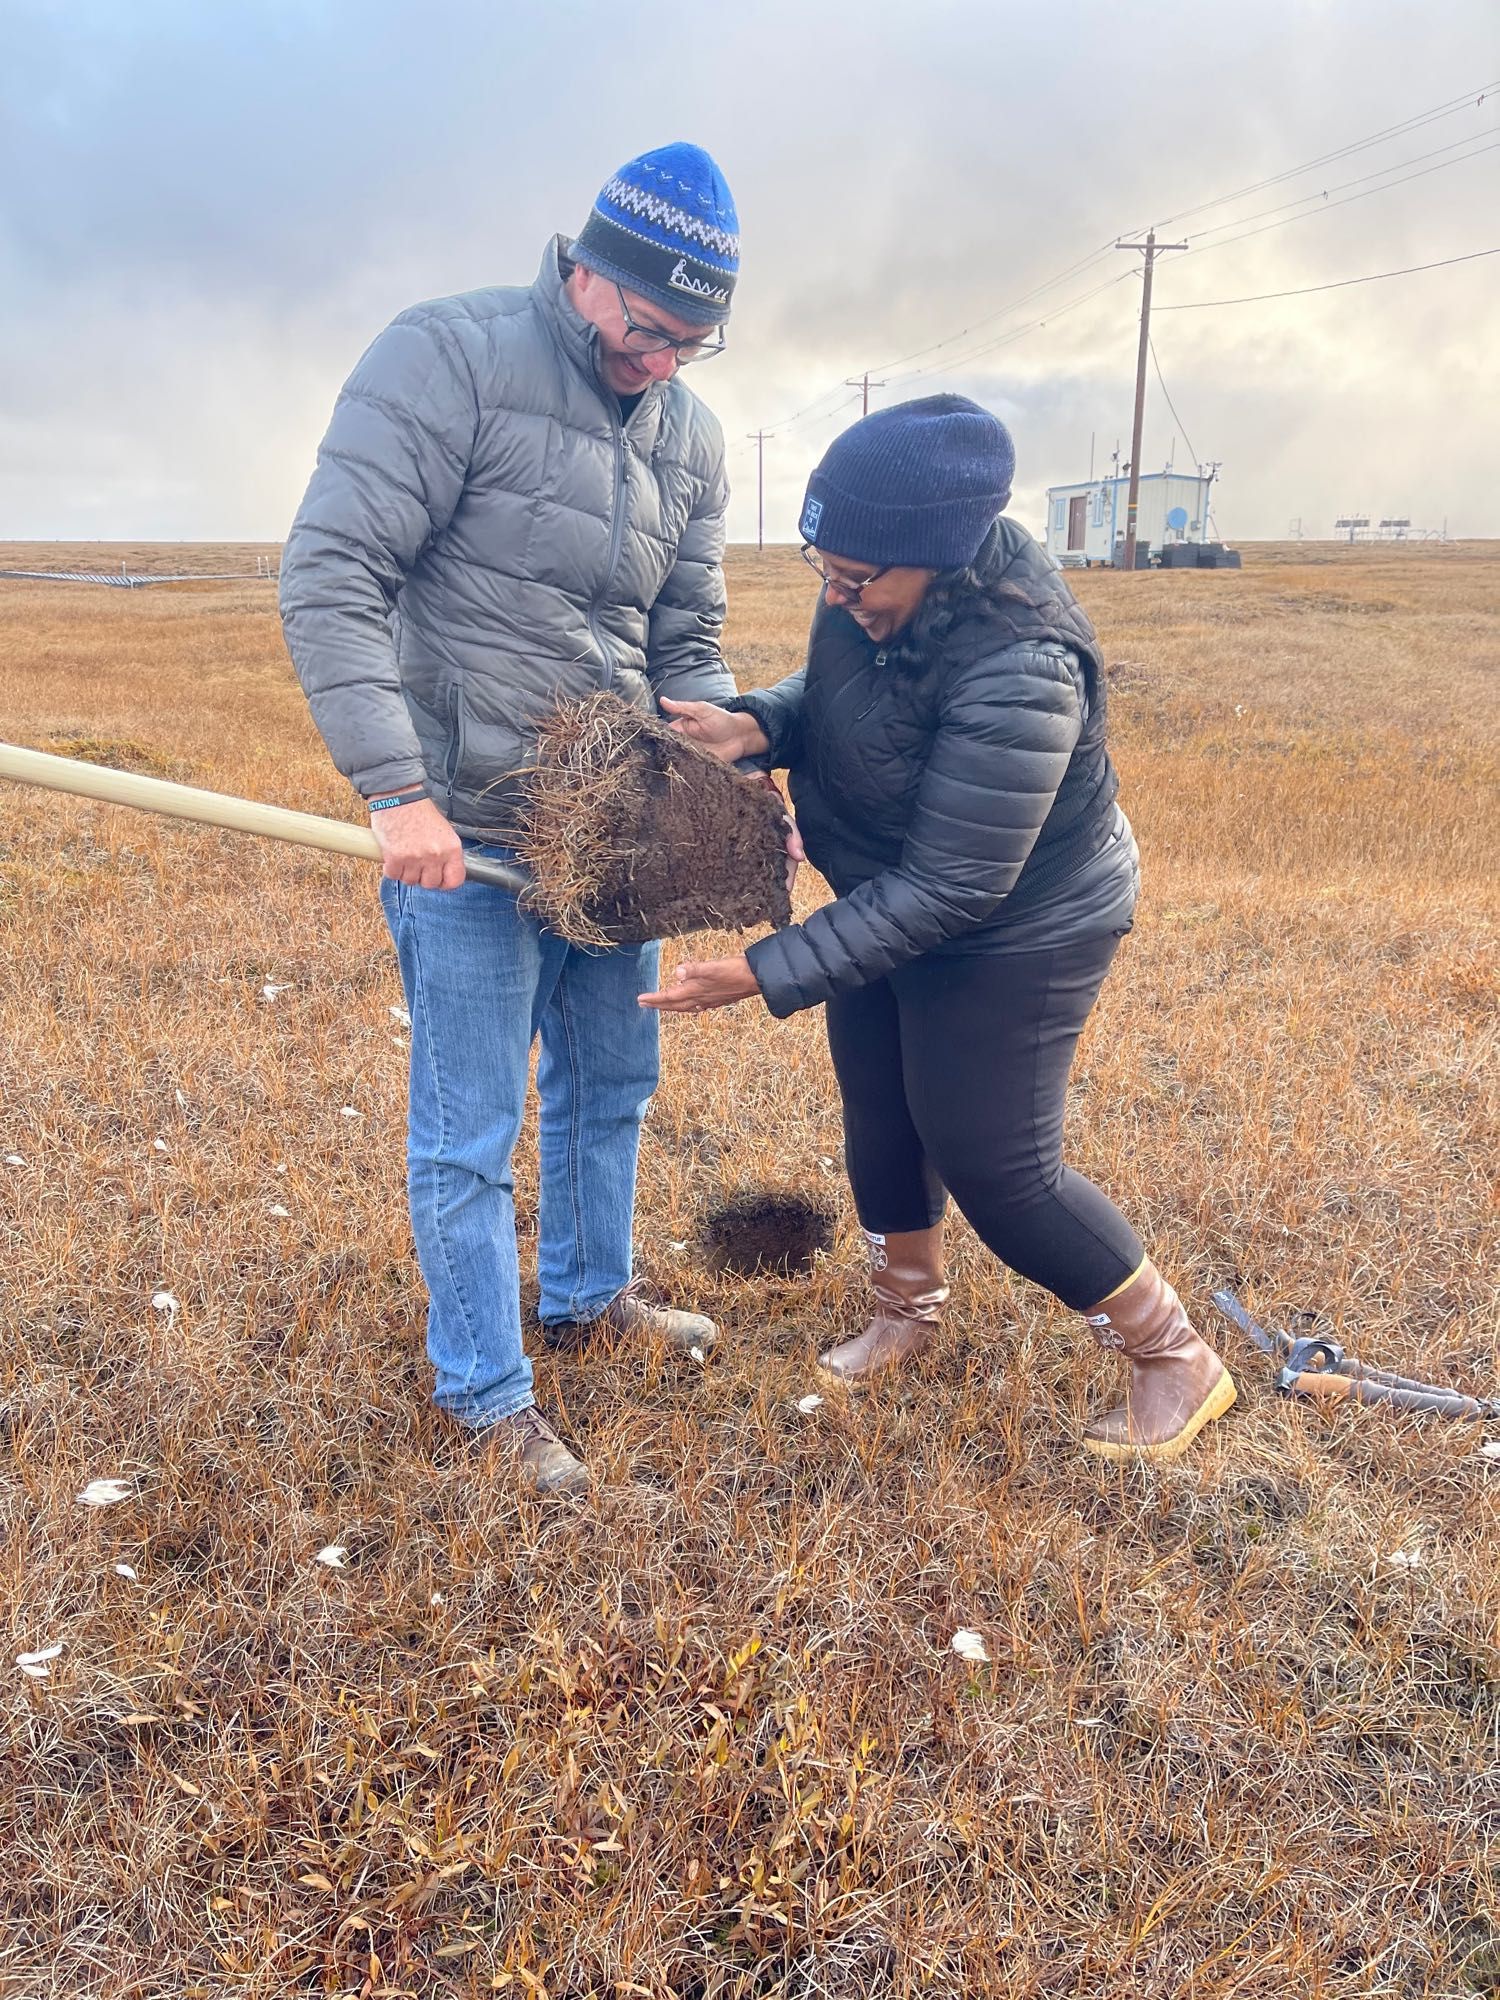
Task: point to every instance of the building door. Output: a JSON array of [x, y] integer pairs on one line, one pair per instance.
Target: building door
[[1078, 508]]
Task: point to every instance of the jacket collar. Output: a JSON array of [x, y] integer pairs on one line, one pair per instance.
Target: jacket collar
[[580, 343]]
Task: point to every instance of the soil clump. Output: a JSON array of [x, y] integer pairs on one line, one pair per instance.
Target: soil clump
[[633, 833]]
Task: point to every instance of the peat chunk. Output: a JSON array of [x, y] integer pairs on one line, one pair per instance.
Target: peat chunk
[[632, 833]]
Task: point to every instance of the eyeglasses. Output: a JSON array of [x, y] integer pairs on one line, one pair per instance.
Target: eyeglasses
[[652, 340], [853, 591]]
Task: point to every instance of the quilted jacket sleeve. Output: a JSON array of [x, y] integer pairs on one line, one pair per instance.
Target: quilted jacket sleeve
[[778, 710], [683, 660], [389, 475], [1006, 730]]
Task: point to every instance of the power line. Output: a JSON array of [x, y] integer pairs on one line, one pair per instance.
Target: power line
[[1442, 167], [1448, 109], [1073, 270], [1166, 392], [958, 361], [809, 410], [831, 402], [815, 407], [1338, 285], [813, 415], [1322, 194]]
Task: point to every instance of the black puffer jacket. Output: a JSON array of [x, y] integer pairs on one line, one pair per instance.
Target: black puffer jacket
[[942, 803]]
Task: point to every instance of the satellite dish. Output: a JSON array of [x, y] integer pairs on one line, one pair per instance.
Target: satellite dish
[[1177, 519]]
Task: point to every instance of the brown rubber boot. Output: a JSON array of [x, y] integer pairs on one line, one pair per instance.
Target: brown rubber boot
[[1176, 1383], [630, 1315], [906, 1276], [547, 1466]]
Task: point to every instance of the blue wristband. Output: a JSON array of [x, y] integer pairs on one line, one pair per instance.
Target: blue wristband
[[383, 805]]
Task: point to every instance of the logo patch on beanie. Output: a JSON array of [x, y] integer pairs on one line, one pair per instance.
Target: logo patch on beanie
[[812, 514], [681, 279]]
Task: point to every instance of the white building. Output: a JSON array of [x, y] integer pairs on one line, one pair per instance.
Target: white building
[[1086, 523]]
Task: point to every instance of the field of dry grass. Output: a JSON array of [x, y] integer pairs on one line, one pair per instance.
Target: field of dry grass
[[1238, 1734]]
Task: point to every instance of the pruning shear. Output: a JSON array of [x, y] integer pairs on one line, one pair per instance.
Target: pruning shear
[[1320, 1370]]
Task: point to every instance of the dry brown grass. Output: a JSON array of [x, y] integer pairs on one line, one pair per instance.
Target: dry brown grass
[[705, 1735]]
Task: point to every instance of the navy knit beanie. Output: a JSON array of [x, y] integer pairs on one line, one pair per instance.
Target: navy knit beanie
[[665, 226], [918, 484]]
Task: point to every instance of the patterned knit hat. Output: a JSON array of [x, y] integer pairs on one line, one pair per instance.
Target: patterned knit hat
[[917, 484], [665, 226]]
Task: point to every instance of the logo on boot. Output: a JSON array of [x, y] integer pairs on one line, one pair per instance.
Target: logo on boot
[[1104, 1333]]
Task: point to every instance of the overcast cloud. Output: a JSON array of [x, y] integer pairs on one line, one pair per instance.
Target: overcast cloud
[[206, 211]]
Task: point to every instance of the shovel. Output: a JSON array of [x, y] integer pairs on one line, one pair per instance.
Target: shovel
[[128, 788]]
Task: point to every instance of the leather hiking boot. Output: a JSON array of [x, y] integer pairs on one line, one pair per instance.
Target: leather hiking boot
[[1176, 1383], [547, 1466], [630, 1316], [906, 1276]]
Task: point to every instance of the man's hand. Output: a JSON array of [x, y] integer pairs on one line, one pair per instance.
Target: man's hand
[[725, 733], [418, 845], [713, 982]]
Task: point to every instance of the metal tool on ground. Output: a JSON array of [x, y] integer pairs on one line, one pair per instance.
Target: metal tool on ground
[[160, 795], [1321, 1371]]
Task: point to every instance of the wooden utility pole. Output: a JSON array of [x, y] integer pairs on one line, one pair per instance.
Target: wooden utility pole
[[760, 489], [1132, 504], [864, 385]]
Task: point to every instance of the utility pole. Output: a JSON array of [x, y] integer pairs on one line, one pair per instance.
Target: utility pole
[[864, 385], [1132, 504], [760, 489]]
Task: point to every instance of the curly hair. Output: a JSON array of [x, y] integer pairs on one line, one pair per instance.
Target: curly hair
[[954, 598]]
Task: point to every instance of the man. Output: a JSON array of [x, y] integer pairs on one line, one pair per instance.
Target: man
[[517, 500]]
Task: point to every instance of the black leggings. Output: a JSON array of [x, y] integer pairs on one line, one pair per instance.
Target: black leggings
[[953, 1073]]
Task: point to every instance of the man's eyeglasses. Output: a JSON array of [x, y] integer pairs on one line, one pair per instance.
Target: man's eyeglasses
[[652, 340], [852, 589]]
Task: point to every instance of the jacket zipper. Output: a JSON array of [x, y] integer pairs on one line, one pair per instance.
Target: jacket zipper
[[455, 741], [616, 530]]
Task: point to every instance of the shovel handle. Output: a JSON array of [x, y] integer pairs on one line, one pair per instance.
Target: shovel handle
[[159, 795], [498, 874]]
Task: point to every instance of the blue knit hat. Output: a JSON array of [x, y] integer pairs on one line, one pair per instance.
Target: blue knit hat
[[665, 226], [918, 484]]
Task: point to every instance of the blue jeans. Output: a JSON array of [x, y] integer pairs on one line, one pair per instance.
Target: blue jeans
[[483, 979]]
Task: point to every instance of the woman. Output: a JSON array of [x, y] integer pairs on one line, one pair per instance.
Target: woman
[[946, 748]]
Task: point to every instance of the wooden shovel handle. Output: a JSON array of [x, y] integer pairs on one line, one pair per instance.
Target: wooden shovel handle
[[158, 795]]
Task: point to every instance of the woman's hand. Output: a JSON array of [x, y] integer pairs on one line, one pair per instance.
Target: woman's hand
[[796, 853], [713, 982], [724, 733]]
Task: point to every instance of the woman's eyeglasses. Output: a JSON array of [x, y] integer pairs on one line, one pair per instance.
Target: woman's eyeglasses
[[854, 588], [652, 340]]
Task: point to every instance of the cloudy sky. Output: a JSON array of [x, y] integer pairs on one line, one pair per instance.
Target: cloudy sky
[[207, 210]]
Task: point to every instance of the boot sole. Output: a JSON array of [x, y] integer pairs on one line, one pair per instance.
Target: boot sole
[[854, 1382], [907, 1365], [1220, 1398]]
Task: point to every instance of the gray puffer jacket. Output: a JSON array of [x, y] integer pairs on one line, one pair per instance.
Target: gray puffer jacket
[[484, 534]]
